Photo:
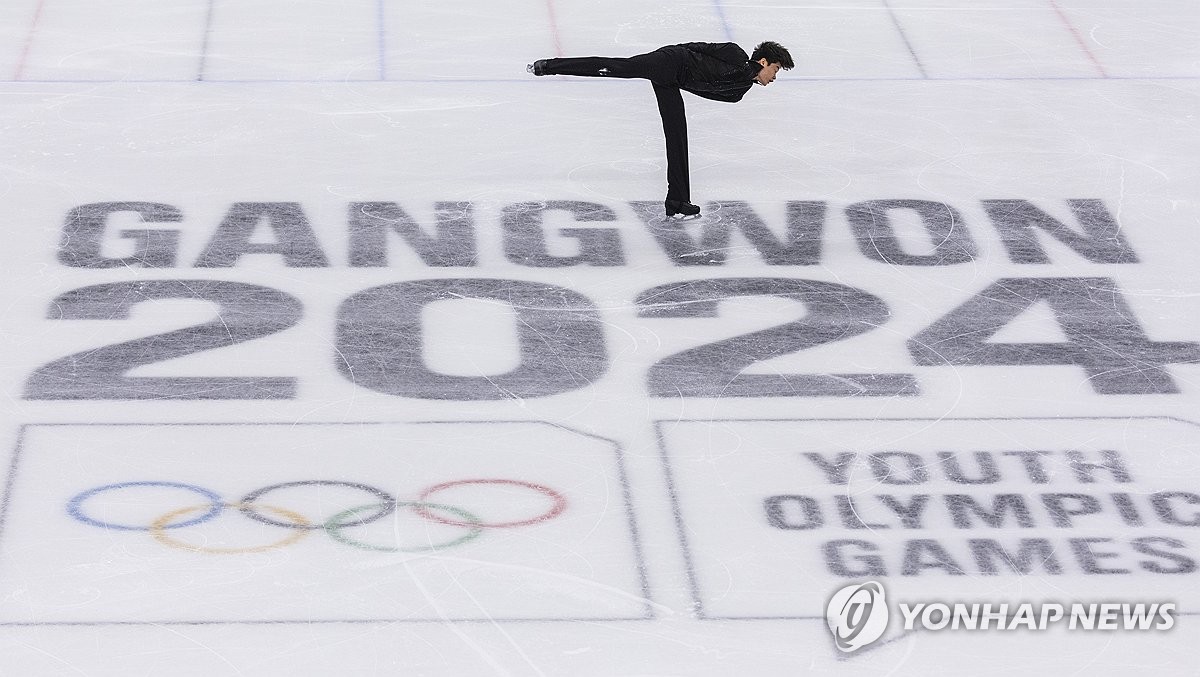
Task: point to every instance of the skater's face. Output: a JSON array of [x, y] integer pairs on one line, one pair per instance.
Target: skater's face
[[767, 75]]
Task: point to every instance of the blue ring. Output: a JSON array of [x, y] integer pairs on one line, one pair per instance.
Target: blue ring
[[75, 505]]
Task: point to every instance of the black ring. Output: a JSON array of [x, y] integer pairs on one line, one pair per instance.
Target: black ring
[[387, 504]]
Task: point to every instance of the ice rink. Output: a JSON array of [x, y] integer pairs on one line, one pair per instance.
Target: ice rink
[[334, 343]]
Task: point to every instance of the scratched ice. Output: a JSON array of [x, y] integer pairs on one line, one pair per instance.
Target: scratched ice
[[336, 343]]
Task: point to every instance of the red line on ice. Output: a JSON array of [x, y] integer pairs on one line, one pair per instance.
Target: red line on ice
[[33, 29], [1078, 38], [558, 50]]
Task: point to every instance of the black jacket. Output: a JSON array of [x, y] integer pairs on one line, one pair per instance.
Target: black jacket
[[720, 71]]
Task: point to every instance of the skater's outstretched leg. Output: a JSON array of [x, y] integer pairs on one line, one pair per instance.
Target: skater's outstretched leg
[[591, 66], [658, 66]]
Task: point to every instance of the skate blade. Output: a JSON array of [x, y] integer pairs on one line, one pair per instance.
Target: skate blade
[[683, 217]]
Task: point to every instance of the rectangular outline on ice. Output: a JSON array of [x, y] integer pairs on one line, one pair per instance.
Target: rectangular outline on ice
[[619, 458], [677, 508]]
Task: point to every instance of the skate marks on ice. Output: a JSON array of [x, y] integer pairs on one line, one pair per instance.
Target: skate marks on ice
[[1029, 508], [212, 523]]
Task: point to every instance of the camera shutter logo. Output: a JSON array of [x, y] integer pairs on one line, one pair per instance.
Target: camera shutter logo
[[857, 615]]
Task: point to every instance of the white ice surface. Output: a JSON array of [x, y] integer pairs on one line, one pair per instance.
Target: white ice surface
[[663, 561]]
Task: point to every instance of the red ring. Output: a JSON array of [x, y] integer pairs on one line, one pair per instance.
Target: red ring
[[560, 504]]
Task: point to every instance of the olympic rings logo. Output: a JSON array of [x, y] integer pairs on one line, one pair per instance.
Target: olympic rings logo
[[250, 505]]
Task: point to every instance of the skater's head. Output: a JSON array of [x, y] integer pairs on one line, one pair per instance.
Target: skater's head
[[772, 56]]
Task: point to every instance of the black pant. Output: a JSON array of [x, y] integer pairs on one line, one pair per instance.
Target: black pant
[[662, 68]]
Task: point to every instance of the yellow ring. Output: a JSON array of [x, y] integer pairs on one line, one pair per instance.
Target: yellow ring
[[159, 530]]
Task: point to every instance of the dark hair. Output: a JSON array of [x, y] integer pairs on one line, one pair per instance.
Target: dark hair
[[773, 52]]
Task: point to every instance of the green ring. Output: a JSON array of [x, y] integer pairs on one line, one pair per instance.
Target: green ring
[[333, 526]]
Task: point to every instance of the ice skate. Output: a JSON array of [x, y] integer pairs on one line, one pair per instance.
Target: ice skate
[[681, 210]]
